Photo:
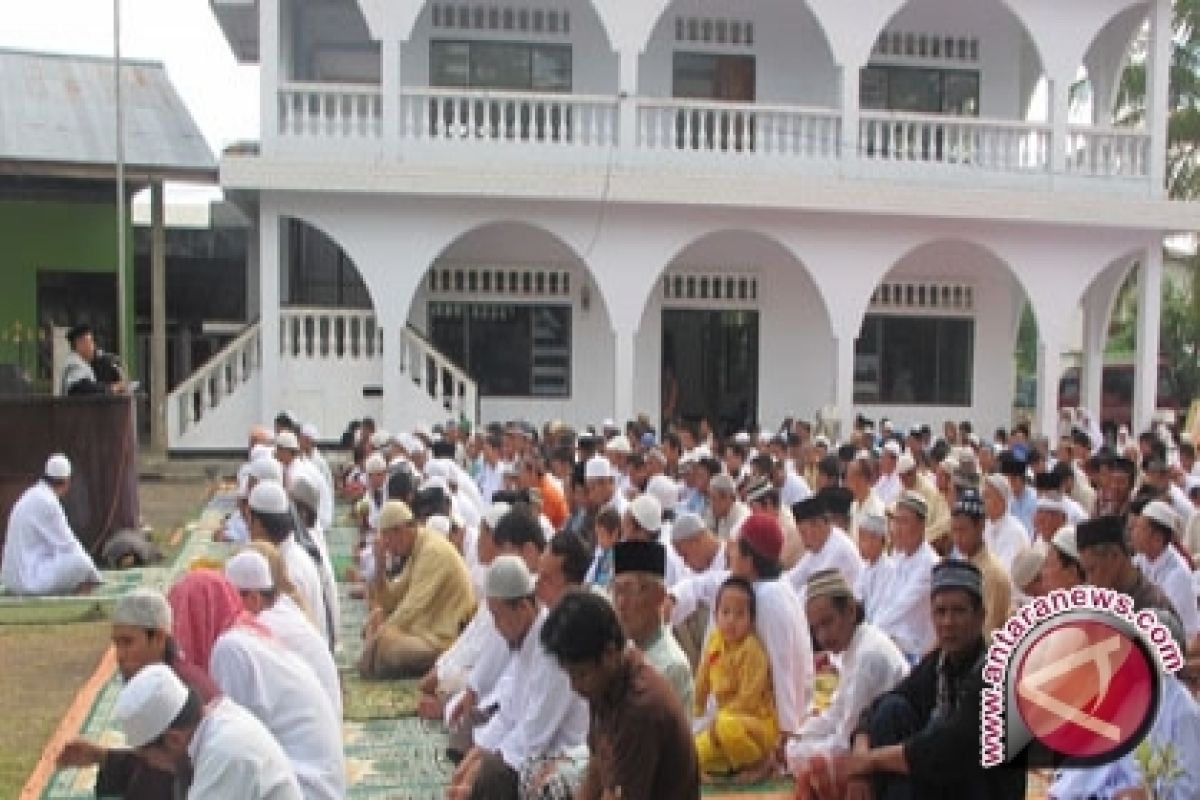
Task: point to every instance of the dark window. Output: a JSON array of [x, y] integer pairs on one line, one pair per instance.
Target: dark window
[[920, 90], [914, 360], [512, 66], [510, 350], [320, 272]]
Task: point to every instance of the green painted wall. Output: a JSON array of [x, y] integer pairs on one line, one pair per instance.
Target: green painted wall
[[56, 235]]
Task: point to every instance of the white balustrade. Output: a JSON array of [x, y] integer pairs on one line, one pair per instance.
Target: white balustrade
[[738, 128], [330, 111], [1108, 152], [986, 144], [217, 379], [446, 384], [329, 334], [456, 115]]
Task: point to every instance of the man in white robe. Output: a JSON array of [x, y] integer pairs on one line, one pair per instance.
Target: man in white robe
[[870, 664], [540, 715], [1004, 534], [42, 556], [1152, 532], [256, 671], [250, 574], [231, 754], [872, 584], [271, 520], [906, 615]]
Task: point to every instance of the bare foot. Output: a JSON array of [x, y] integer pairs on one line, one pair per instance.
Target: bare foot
[[756, 773], [429, 707]]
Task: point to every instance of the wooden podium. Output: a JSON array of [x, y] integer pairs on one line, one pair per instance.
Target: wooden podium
[[98, 434]]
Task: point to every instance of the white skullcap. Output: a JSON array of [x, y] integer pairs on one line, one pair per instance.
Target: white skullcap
[[647, 512], [269, 498], [375, 463], [608, 425], [1001, 485], [892, 446], [143, 608], [286, 440], [494, 513], [664, 490], [309, 431], [764, 437], [1064, 540], [266, 470], [149, 703], [905, 464], [1163, 514], [439, 523], [687, 526], [305, 489], [598, 467], [821, 441], [873, 523], [702, 451], [1026, 565], [249, 571], [380, 439], [439, 468], [722, 483], [58, 467], [1050, 502], [741, 437], [508, 579], [619, 444], [435, 483]]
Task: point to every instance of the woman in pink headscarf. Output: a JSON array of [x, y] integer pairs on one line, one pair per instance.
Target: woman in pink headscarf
[[204, 605]]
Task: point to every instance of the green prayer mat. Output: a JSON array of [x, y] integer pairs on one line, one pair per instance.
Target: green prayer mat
[[364, 700]]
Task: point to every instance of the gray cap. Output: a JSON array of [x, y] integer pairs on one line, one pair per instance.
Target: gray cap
[[304, 490], [143, 608], [686, 526], [508, 579], [722, 483]]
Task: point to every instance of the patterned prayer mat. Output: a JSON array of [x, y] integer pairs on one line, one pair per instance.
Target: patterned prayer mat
[[364, 700]]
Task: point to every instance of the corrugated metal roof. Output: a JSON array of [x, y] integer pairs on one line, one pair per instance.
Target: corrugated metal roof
[[61, 109]]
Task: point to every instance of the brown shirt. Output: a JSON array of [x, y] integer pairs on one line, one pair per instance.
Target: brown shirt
[[640, 740], [997, 590]]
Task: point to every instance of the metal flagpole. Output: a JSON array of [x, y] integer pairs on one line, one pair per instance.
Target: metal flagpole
[[122, 304]]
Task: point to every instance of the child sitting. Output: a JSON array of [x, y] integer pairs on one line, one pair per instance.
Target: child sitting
[[736, 671]]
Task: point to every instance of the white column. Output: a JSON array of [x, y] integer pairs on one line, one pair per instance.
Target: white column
[[1060, 105], [848, 141], [627, 92], [1157, 80], [269, 24], [269, 268], [843, 382], [390, 91], [1095, 334], [1049, 370], [1145, 385], [625, 334], [392, 381]]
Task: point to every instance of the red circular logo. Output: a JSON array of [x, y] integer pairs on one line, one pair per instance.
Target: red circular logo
[[1087, 689]]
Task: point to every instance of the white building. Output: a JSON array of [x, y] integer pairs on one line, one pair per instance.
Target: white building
[[740, 209]]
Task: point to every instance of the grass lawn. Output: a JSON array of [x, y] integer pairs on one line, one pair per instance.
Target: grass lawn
[[44, 666]]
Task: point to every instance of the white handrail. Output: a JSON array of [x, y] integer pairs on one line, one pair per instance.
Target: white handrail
[[1105, 151], [330, 110], [549, 119], [329, 333], [685, 125], [992, 144], [219, 377], [440, 377]]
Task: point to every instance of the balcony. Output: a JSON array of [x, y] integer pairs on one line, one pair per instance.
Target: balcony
[[439, 124]]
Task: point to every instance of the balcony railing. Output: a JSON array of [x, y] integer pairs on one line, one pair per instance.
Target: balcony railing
[[987, 144], [745, 128], [1108, 152], [455, 115], [330, 111], [571, 123]]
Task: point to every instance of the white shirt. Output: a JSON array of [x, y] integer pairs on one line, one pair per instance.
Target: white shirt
[[277, 687], [1170, 573], [41, 553], [307, 579], [907, 616], [1005, 537], [871, 665], [454, 665], [871, 587], [794, 490], [871, 506], [889, 488], [838, 553], [235, 758], [781, 624], [296, 632], [490, 480], [540, 715]]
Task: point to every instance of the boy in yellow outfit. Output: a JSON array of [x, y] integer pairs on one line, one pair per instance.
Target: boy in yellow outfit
[[735, 669]]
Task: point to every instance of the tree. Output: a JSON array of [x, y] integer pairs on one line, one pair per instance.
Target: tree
[[1179, 335]]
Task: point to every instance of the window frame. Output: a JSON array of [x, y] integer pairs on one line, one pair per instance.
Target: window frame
[[872, 365], [475, 47]]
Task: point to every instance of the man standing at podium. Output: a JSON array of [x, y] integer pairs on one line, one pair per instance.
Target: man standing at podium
[[41, 553], [79, 376]]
